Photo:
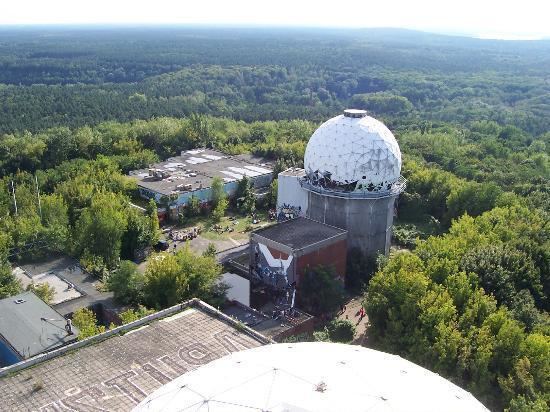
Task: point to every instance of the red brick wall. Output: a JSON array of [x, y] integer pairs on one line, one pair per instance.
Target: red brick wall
[[277, 254], [333, 255]]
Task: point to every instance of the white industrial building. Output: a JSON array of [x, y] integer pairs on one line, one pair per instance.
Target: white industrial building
[[351, 179]]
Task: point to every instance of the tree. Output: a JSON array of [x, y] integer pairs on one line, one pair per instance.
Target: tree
[[210, 250], [172, 279], [246, 200], [9, 285], [193, 207], [84, 319], [393, 301], [217, 191], [219, 210], [341, 331], [43, 291], [271, 197], [152, 212], [126, 283], [100, 228], [138, 233], [132, 315], [319, 291], [504, 271]]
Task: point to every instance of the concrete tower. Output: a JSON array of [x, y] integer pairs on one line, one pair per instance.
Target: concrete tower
[[351, 180]]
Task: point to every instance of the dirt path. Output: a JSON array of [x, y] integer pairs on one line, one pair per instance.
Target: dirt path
[[352, 314]]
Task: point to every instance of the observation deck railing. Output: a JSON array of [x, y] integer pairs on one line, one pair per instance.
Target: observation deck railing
[[397, 188]]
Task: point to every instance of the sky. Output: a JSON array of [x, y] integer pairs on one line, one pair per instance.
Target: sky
[[507, 19]]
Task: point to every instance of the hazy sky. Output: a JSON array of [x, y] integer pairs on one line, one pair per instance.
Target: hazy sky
[[486, 18]]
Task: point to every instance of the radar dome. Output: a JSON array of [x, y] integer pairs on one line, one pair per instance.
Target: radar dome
[[353, 152]]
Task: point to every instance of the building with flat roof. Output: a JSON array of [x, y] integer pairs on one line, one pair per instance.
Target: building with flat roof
[[280, 254], [29, 327], [190, 175], [119, 368], [74, 288]]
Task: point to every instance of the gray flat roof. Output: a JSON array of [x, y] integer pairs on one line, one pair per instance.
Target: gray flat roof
[[30, 326], [204, 164], [119, 371], [70, 271], [299, 233]]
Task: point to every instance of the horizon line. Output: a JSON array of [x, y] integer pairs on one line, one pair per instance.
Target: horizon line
[[440, 32]]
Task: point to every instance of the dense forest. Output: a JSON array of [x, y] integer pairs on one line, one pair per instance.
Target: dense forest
[[468, 293], [51, 77]]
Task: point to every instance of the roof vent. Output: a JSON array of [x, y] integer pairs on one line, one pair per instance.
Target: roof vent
[[355, 113], [19, 301]]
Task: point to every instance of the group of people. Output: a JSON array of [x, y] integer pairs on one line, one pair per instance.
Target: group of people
[[361, 313]]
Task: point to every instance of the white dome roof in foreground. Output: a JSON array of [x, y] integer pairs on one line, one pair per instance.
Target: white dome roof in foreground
[[310, 377], [354, 150]]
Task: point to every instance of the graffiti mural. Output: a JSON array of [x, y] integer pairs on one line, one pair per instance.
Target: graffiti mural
[[287, 212]]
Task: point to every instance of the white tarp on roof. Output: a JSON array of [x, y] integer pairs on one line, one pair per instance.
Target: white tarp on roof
[[234, 175], [243, 171], [258, 169], [310, 377], [196, 160], [212, 157]]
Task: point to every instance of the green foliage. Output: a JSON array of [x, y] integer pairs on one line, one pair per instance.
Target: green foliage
[[359, 270], [172, 279], [9, 285], [84, 319], [132, 315], [246, 200], [504, 271], [127, 283], [154, 221], [100, 228], [431, 306], [271, 197], [406, 235], [382, 103], [219, 211], [210, 250], [193, 207], [341, 331], [43, 290], [320, 291], [218, 191]]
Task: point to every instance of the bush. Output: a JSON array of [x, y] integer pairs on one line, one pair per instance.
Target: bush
[[341, 331], [406, 235], [127, 283]]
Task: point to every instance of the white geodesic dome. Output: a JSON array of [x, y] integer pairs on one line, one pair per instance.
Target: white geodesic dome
[[353, 151], [316, 376]]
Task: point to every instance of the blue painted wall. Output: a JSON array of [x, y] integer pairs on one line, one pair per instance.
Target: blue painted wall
[[204, 195], [7, 355]]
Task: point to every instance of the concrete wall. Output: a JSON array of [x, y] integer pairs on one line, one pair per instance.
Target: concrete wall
[[290, 192], [239, 288], [368, 221]]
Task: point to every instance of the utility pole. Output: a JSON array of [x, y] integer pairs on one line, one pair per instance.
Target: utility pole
[[14, 200], [38, 195]]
